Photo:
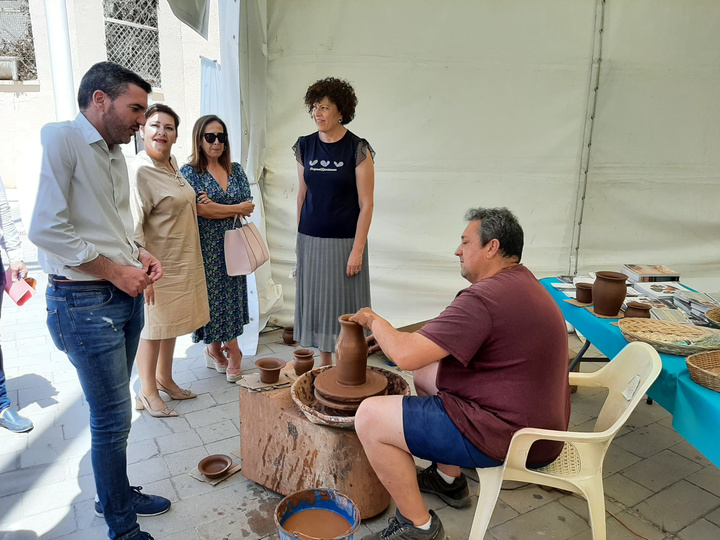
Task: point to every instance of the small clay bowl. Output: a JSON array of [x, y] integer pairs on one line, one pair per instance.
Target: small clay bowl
[[638, 310], [583, 293], [270, 369], [215, 466], [288, 335]]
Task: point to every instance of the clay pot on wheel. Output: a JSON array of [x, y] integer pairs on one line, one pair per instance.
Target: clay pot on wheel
[[638, 310], [608, 293], [583, 293], [351, 353], [287, 335], [270, 369], [303, 361]]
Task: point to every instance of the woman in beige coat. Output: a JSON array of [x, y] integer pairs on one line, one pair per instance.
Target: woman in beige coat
[[164, 209]]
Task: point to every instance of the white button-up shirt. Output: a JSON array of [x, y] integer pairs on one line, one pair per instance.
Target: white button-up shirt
[[9, 237], [82, 208]]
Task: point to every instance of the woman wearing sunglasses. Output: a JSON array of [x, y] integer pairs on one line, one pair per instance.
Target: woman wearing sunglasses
[[163, 206], [223, 191]]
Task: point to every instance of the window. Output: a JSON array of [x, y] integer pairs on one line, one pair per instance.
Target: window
[[17, 53], [131, 37]]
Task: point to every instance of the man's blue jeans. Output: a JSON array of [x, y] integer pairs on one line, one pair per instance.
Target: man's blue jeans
[[98, 326]]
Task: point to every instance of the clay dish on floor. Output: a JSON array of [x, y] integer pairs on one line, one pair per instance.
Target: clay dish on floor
[[215, 466], [327, 384], [270, 369]]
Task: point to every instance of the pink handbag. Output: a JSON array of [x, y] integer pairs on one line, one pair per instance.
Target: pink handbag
[[245, 249], [20, 291]]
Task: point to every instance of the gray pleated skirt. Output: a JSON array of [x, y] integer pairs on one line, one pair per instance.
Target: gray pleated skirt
[[323, 290]]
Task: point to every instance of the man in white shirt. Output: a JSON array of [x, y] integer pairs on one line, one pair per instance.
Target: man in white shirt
[[83, 228]]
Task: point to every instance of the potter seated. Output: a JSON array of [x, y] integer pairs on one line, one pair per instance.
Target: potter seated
[[493, 362]]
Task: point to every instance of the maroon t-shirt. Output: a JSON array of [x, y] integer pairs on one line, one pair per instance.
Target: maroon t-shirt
[[508, 362]]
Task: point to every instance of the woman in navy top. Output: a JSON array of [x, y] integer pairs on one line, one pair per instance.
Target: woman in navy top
[[334, 209]]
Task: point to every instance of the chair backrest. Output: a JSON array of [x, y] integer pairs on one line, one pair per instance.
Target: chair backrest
[[627, 377]]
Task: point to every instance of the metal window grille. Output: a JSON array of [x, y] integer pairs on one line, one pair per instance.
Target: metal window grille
[[17, 52], [131, 37]]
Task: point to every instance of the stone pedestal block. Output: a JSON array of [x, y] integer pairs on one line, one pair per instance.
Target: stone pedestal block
[[285, 452]]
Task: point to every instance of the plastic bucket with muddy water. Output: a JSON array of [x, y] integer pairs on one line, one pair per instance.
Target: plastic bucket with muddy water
[[317, 514]]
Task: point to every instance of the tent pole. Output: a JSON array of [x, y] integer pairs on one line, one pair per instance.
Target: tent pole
[[591, 108]]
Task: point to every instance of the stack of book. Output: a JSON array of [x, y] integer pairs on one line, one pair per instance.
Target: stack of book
[[659, 289], [649, 273], [696, 303]]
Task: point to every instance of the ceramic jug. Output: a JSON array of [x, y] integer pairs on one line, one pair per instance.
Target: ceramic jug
[[351, 353], [608, 293]]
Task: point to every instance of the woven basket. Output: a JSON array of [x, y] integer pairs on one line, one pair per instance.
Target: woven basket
[[662, 335], [713, 315], [704, 369]]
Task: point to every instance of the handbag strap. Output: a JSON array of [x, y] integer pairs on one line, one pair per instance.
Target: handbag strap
[[243, 221]]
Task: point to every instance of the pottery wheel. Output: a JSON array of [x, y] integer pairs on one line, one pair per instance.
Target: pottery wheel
[[349, 407], [326, 383]]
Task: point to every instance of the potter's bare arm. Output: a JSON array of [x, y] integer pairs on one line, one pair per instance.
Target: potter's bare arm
[[410, 351], [302, 190], [365, 181]]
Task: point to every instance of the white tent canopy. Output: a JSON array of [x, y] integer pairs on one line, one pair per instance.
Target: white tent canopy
[[596, 122]]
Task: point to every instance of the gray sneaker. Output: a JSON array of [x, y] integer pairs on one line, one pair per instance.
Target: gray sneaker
[[401, 528], [456, 494]]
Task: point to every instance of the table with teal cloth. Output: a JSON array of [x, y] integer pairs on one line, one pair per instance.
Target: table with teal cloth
[[695, 409]]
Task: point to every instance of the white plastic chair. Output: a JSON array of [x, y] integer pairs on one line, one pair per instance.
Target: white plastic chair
[[579, 467]]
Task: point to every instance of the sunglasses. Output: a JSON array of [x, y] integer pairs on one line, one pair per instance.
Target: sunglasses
[[210, 137]]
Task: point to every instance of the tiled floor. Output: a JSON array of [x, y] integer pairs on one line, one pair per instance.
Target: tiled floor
[[656, 484]]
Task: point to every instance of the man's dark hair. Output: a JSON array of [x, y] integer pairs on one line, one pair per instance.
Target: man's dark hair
[[499, 224], [162, 108], [108, 77], [338, 91]]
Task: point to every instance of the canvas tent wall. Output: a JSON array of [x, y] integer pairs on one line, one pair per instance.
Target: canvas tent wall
[[596, 122]]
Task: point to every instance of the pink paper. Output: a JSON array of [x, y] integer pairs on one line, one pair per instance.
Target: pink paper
[[18, 291]]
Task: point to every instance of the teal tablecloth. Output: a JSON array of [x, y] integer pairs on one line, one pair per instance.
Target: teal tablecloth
[[695, 409]]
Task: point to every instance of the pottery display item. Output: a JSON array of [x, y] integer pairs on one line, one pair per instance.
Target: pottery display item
[[215, 466], [351, 353], [270, 369], [288, 336], [583, 293], [608, 293], [303, 361], [638, 310]]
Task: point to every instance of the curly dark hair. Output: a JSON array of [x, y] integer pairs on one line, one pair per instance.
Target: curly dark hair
[[338, 91]]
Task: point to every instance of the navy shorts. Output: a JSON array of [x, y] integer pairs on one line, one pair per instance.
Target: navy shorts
[[431, 435]]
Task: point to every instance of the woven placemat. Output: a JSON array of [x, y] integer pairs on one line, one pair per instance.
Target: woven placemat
[[592, 310], [574, 302]]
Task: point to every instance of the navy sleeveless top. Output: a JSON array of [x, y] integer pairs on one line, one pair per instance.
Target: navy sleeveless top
[[331, 207]]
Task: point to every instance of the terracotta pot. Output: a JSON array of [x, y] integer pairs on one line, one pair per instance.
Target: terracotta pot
[[287, 335], [638, 310], [351, 353], [583, 293], [303, 361], [215, 466], [270, 369], [608, 293]]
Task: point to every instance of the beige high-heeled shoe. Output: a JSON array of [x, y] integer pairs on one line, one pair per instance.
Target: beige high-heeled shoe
[[211, 363], [184, 393], [233, 374], [142, 403]]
